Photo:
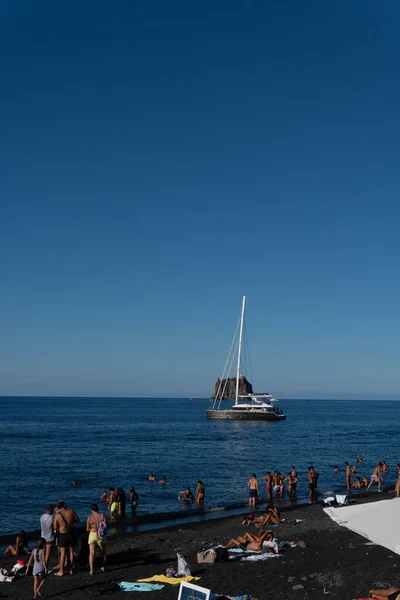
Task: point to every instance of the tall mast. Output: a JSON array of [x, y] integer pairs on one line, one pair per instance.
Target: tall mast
[[240, 350]]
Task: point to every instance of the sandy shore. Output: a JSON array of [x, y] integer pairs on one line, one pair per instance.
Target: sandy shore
[[336, 563]]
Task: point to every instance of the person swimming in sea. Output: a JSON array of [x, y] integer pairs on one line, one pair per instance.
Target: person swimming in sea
[[151, 477], [163, 480], [186, 495]]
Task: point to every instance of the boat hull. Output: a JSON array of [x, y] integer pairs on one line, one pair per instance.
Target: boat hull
[[243, 415]]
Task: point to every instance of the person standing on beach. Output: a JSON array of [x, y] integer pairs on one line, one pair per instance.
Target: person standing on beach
[[268, 484], [376, 477], [253, 490], [312, 484], [64, 521], [348, 477], [38, 557], [95, 540], [47, 530]]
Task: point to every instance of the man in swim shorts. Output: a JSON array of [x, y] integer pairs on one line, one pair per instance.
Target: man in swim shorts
[[376, 477], [253, 490], [64, 522], [113, 502]]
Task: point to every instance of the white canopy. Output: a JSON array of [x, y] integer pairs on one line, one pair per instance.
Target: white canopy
[[379, 522]]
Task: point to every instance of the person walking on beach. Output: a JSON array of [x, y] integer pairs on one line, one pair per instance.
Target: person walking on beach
[[200, 492], [96, 536], [253, 490], [38, 557], [268, 484], [376, 477], [312, 485], [348, 477], [64, 521], [47, 530]]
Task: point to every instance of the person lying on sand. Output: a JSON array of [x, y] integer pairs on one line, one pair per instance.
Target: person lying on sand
[[248, 541], [391, 593], [272, 516]]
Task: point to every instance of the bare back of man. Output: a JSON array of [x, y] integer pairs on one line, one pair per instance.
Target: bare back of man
[[64, 521]]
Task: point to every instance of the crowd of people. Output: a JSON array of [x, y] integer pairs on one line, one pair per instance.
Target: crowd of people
[[58, 523], [58, 530], [275, 483]]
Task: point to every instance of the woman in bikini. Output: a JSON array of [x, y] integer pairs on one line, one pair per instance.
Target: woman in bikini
[[200, 492], [92, 525], [248, 541]]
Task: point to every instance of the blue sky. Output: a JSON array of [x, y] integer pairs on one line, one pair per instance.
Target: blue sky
[[159, 160]]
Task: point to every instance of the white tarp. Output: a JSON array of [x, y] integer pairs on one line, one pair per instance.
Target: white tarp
[[379, 522]]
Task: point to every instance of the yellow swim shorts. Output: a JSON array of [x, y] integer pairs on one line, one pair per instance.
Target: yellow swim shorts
[[94, 539]]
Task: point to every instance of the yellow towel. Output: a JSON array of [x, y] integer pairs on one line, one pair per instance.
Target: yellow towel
[[171, 580]]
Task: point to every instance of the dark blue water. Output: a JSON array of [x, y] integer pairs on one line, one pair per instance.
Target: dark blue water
[[45, 443]]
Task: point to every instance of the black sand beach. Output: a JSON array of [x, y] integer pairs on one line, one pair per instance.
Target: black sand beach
[[335, 563]]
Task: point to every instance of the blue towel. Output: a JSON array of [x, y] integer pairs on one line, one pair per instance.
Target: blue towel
[[127, 586]]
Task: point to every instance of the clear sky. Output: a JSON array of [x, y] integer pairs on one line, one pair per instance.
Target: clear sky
[[158, 160]]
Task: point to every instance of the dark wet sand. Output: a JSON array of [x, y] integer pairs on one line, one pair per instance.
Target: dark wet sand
[[335, 563]]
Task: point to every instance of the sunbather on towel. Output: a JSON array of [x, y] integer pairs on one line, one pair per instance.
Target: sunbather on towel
[[272, 517], [248, 541], [391, 594]]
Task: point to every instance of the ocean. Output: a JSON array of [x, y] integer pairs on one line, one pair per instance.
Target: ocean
[[46, 443]]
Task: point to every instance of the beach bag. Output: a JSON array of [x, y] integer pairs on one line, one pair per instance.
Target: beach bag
[[222, 554], [102, 527], [183, 566], [207, 557]]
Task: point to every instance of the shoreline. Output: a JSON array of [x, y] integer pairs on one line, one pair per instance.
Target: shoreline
[[334, 560], [138, 524]]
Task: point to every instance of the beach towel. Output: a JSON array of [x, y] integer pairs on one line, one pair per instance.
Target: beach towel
[[255, 558], [379, 521], [240, 551], [128, 586], [171, 580]]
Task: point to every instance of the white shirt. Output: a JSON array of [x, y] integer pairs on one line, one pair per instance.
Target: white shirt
[[46, 525]]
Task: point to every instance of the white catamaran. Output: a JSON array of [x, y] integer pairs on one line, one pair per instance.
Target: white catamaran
[[247, 406]]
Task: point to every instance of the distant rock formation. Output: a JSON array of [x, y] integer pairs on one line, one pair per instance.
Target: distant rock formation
[[227, 389]]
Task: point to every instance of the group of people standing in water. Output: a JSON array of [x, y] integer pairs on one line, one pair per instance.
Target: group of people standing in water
[[117, 500], [275, 483]]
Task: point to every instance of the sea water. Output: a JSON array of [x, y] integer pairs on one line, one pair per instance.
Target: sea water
[[46, 443]]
